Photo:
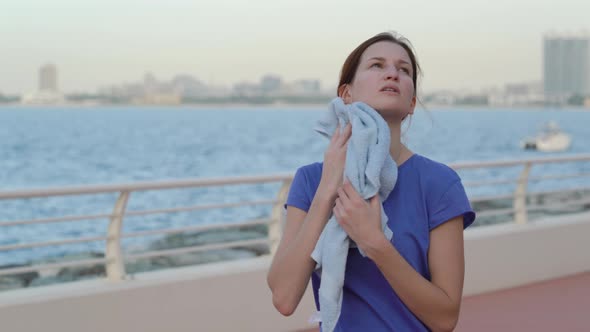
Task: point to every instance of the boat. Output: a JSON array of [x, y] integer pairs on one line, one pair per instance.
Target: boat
[[550, 139]]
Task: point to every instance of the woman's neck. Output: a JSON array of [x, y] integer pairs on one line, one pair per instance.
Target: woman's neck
[[398, 151]]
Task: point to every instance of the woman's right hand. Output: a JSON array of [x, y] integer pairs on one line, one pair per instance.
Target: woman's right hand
[[334, 161]]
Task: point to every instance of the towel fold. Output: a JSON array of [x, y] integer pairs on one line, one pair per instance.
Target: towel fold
[[371, 171]]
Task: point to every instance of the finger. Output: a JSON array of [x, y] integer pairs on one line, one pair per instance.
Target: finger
[[375, 201], [336, 210], [347, 132], [344, 146], [336, 134], [349, 190], [343, 196]]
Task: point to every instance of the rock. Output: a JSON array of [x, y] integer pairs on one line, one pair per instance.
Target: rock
[[210, 256], [148, 264], [9, 282], [206, 237], [25, 277], [51, 280], [81, 272]]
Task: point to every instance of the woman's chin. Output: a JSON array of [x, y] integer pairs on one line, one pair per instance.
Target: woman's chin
[[391, 113]]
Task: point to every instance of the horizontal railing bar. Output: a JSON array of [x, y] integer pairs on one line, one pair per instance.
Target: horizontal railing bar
[[52, 243], [43, 267], [196, 228], [531, 194], [537, 207], [488, 182], [135, 213], [142, 186], [531, 179], [200, 207], [494, 212], [554, 177], [557, 191], [54, 220], [215, 246], [517, 162], [490, 198]]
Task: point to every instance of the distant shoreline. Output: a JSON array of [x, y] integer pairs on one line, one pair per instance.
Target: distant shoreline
[[193, 106], [296, 106]]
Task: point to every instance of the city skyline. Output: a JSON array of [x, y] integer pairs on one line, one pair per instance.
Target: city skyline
[[96, 44]]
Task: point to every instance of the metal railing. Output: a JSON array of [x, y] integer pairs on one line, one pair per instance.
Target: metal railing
[[115, 258], [519, 207]]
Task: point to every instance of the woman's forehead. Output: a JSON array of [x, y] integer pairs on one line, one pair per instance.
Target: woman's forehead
[[387, 50]]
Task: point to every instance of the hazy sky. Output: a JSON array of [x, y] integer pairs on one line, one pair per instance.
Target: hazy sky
[[460, 44]]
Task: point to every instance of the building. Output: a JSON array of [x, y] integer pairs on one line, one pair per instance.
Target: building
[[48, 93], [566, 66], [270, 84], [48, 78]]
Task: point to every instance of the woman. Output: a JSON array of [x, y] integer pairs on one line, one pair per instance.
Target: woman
[[413, 282]]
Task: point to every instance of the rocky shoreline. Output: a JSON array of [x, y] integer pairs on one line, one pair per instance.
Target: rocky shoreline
[[67, 274]]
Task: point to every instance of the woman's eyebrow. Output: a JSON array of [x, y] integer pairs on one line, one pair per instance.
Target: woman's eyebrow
[[382, 59], [376, 58]]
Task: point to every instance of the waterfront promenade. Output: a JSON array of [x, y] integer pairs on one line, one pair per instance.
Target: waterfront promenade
[[528, 273]]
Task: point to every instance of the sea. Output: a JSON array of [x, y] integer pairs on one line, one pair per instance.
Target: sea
[[43, 147]]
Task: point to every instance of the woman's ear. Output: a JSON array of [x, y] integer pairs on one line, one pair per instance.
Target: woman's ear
[[344, 93], [412, 104]]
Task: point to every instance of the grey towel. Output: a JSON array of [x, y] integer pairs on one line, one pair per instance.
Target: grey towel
[[371, 171]]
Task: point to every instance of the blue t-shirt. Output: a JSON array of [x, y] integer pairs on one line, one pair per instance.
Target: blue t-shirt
[[426, 194]]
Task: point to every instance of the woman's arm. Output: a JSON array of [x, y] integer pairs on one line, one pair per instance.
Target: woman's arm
[[437, 302], [292, 264]]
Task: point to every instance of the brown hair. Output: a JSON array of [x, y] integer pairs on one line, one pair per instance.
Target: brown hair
[[352, 62]]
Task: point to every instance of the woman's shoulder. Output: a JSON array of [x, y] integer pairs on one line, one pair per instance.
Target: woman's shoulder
[[433, 167], [304, 185], [312, 170], [444, 193], [432, 172]]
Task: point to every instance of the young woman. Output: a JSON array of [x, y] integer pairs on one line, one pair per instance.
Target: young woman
[[413, 282]]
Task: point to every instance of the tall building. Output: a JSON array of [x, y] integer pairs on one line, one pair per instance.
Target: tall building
[[48, 78], [566, 66], [270, 84]]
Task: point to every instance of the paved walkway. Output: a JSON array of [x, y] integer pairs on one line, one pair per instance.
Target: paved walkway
[[556, 305]]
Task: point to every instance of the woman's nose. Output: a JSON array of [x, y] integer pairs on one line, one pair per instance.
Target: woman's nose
[[391, 73]]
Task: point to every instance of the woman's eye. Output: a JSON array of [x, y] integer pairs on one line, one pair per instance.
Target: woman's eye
[[376, 64], [405, 70]]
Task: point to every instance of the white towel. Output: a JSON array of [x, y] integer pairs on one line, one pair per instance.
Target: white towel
[[371, 171]]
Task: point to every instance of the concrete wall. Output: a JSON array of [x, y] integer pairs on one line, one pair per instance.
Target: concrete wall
[[510, 255], [217, 297], [233, 296]]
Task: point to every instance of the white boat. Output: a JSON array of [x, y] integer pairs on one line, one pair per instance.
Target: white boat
[[550, 139]]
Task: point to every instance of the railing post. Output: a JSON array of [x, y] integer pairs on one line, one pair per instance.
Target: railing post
[[115, 266], [520, 211], [275, 228]]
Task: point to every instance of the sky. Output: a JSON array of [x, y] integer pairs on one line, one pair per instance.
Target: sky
[[461, 44]]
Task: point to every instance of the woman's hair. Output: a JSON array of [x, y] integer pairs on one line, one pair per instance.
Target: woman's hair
[[352, 62]]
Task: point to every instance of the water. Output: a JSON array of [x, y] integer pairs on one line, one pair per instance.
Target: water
[[42, 147]]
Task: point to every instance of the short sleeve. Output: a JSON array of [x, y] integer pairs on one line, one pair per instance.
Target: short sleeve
[[298, 193], [453, 203]]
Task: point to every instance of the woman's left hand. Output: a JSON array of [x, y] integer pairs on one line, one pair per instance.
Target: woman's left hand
[[360, 219]]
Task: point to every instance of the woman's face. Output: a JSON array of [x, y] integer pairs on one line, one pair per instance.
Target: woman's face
[[383, 80]]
